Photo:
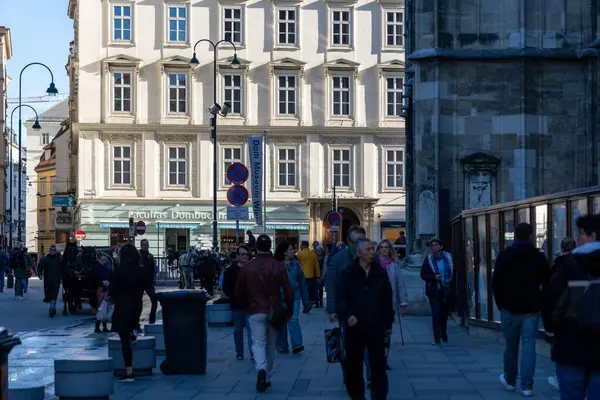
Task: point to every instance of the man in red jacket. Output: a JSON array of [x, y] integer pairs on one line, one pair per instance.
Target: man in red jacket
[[259, 285]]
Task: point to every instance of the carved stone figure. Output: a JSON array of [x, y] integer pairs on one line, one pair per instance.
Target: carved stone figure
[[479, 189], [427, 210]]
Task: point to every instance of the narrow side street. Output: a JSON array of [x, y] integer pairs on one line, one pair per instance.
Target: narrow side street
[[466, 368]]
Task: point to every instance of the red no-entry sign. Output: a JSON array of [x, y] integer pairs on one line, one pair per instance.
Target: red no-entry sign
[[237, 195], [140, 227], [237, 173], [80, 235]]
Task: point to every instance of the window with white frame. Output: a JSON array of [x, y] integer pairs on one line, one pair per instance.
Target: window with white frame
[[286, 26], [178, 24], [52, 217], [122, 91], [45, 139], [341, 168], [177, 166], [286, 94], [121, 158], [341, 95], [233, 24], [340, 27], [233, 91], [122, 23], [394, 28], [52, 185], [394, 160], [178, 90], [42, 221], [230, 155], [393, 96], [42, 187], [287, 167]]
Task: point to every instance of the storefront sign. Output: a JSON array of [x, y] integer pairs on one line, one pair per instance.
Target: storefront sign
[[175, 215], [255, 145], [64, 218]]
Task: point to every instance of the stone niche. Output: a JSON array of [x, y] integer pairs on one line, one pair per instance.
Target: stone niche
[[480, 171]]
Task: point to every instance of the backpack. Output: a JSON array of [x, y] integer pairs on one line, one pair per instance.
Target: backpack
[[579, 305]]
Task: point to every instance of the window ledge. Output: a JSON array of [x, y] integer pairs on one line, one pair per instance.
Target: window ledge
[[121, 187], [176, 45], [340, 189], [116, 118], [287, 189], [345, 49], [393, 190], [176, 118], [390, 49], [286, 47], [227, 46], [341, 121], [285, 121], [233, 120], [392, 122], [122, 44], [176, 189]]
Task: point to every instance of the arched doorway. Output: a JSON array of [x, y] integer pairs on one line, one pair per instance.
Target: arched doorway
[[349, 218]]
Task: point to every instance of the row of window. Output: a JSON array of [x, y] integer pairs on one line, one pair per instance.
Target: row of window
[[233, 23], [177, 159], [233, 88], [46, 186]]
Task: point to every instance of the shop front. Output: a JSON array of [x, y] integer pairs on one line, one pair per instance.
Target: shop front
[[173, 227]]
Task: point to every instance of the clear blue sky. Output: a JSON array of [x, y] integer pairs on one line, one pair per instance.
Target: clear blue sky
[[41, 32]]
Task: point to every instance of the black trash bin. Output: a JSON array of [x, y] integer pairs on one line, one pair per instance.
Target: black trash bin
[[184, 327], [7, 342]]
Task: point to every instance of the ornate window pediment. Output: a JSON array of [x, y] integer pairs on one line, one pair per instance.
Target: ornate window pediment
[[341, 65], [121, 60], [480, 179], [287, 63], [175, 62], [391, 66], [225, 63]]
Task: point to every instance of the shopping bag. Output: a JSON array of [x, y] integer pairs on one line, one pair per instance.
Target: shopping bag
[[334, 345], [105, 312]]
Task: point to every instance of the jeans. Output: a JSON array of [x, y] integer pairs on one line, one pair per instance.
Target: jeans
[[357, 342], [439, 316], [19, 287], [240, 320], [154, 305], [577, 382], [2, 273], [263, 342], [519, 328], [25, 284], [52, 306], [293, 327], [188, 277], [387, 342], [312, 289]]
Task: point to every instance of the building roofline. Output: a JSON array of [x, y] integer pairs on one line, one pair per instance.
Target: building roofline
[[8, 41]]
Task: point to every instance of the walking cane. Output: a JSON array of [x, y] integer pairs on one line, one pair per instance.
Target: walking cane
[[401, 333]]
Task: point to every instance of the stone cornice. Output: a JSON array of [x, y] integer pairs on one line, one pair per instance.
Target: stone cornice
[[247, 129]]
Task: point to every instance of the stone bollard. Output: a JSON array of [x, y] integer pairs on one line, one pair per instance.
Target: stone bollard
[[25, 391], [144, 355], [84, 377], [156, 331], [218, 314]]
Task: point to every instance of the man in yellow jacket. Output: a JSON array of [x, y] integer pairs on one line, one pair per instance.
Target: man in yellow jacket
[[310, 266]]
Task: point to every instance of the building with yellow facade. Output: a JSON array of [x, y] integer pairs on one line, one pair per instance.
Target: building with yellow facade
[[46, 175]]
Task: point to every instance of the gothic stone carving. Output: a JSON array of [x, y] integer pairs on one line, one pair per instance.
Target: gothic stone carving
[[176, 138], [427, 212], [340, 140], [122, 137], [232, 139], [396, 140]]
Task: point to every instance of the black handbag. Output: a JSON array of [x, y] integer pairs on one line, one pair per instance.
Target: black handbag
[[277, 318], [334, 345]]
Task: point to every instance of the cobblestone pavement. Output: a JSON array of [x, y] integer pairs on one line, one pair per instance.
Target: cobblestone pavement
[[466, 368]]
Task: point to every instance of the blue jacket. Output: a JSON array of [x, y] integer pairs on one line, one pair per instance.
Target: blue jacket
[[297, 280]]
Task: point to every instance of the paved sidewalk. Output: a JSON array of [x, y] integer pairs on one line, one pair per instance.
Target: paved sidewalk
[[467, 368]]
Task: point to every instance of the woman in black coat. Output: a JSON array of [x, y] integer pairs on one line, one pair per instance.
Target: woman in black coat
[[125, 292]]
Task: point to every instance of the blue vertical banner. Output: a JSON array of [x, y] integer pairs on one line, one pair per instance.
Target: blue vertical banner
[[256, 148]]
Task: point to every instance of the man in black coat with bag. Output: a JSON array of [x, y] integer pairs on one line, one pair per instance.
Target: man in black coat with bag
[[364, 302]]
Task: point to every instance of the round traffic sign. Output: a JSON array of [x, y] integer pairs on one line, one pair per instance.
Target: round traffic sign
[[237, 195], [334, 218], [237, 173], [80, 235], [140, 227]]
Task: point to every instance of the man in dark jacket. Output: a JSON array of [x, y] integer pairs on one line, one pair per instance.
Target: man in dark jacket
[[364, 301], [260, 285], [520, 274], [230, 277], [49, 269], [18, 264], [576, 351], [148, 264]]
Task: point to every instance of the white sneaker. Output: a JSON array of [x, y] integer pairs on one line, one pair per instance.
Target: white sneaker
[[527, 392], [552, 381], [510, 388]]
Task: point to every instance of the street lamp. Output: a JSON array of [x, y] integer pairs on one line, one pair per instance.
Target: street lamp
[[36, 127], [51, 91], [216, 110]]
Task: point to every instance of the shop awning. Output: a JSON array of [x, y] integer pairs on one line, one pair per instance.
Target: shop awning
[[176, 225], [289, 227], [113, 225]]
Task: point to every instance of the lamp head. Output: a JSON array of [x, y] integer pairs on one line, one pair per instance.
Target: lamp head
[[36, 125], [214, 109], [52, 90], [225, 110], [194, 61], [235, 62]]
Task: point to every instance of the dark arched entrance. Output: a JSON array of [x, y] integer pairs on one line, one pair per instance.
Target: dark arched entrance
[[349, 218]]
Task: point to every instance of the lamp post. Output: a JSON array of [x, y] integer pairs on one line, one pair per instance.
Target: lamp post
[[51, 91], [216, 110], [36, 127]]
